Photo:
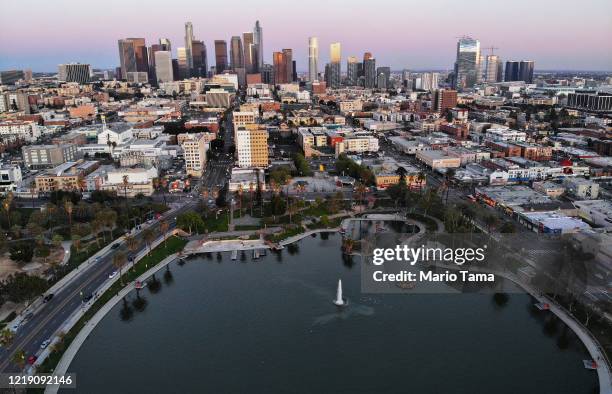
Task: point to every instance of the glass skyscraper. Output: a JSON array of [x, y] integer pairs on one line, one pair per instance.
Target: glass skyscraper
[[467, 65]]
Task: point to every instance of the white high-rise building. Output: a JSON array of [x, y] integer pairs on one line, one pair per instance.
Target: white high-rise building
[[493, 71], [313, 59], [163, 66]]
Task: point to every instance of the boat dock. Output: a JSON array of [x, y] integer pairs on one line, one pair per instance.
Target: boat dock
[[234, 254]]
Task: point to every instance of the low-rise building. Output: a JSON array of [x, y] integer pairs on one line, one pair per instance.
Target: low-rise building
[[597, 212], [436, 159], [67, 177], [581, 188], [46, 156], [194, 153], [10, 178]]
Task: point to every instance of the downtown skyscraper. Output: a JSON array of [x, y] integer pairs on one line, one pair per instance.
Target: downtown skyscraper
[[369, 70], [236, 53], [133, 57], [250, 53], [189, 46], [333, 70], [493, 70], [220, 56], [467, 65], [352, 71], [258, 40], [313, 59]]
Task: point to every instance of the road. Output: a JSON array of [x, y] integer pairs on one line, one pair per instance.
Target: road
[[47, 320]]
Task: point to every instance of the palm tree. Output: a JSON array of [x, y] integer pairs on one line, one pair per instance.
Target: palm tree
[[126, 183], [131, 243], [163, 227], [96, 226], [420, 178], [76, 239], [490, 221], [7, 204], [450, 173], [119, 260], [149, 236], [69, 207]]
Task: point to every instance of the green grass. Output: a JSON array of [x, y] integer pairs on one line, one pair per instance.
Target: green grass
[[173, 245], [247, 227], [217, 224]]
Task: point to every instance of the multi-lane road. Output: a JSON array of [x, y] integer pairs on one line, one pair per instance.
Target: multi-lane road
[[48, 319]]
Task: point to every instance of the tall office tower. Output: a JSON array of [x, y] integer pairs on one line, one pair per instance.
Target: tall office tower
[[220, 56], [165, 43], [189, 46], [526, 71], [280, 68], [467, 65], [352, 71], [512, 71], [369, 70], [74, 72], [492, 69], [288, 56], [250, 53], [406, 79], [175, 70], [133, 56], [258, 40], [152, 50], [183, 67], [294, 71], [444, 99], [267, 74], [236, 53], [163, 66], [383, 74], [198, 53], [335, 58], [313, 59]]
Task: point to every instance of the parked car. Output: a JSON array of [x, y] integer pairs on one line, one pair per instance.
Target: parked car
[[48, 297], [114, 246], [45, 343], [112, 275]]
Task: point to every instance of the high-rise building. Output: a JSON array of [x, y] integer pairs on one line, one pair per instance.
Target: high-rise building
[[512, 71], [288, 57], [236, 53], [74, 72], [493, 68], [383, 75], [200, 62], [250, 53], [163, 66], [280, 68], [313, 59], [183, 67], [352, 71], [467, 65], [425, 81], [526, 71], [252, 146], [444, 99], [335, 58], [220, 56], [133, 56], [369, 70], [189, 46], [258, 40]]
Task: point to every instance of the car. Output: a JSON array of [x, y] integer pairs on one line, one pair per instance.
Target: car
[[48, 298], [112, 275], [45, 343], [87, 298], [98, 258], [114, 246], [32, 359]]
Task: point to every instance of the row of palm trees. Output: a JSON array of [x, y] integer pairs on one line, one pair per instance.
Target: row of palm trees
[[120, 258]]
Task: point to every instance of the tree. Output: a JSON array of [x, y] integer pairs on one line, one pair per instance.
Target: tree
[[19, 358], [76, 240], [507, 227], [22, 251], [190, 221], [7, 205], [163, 227], [6, 337], [119, 260], [490, 220], [149, 236], [69, 207], [131, 243]]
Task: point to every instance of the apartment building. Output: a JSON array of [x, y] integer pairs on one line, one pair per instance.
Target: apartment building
[[252, 146], [46, 156], [194, 153]]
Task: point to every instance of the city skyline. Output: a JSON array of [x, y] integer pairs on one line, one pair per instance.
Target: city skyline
[[397, 43]]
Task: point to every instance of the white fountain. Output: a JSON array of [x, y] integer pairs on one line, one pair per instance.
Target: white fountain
[[339, 301]]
